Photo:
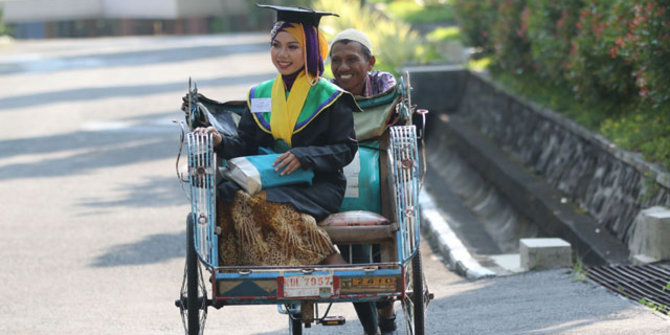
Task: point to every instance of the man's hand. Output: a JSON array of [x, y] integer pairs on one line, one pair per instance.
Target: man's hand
[[288, 162], [216, 136]]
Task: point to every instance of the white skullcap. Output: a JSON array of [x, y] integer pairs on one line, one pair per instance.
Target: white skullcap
[[353, 35]]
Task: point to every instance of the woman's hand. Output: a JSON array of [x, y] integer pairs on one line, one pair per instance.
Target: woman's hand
[[216, 136], [288, 162]]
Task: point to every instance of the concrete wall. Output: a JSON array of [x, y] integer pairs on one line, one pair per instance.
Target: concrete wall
[[49, 10], [611, 184], [438, 88], [19, 11], [186, 8], [157, 9]]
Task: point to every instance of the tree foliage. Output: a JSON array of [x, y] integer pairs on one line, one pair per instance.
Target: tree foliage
[[611, 57]]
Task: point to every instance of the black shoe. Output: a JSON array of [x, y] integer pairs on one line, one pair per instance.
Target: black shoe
[[387, 326]]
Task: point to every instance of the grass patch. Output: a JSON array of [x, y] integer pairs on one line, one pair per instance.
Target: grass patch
[[655, 306], [452, 33], [644, 129], [479, 65], [410, 11], [578, 271]]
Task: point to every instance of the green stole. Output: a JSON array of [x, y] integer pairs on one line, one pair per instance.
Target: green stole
[[320, 96]]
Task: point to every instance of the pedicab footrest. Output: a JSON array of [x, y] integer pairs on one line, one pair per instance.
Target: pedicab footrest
[[334, 320], [358, 227]]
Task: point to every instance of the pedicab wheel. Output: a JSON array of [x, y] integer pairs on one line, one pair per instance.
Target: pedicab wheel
[[195, 312], [413, 304]]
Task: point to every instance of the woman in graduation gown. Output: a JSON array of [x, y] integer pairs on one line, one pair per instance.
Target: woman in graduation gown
[[308, 120]]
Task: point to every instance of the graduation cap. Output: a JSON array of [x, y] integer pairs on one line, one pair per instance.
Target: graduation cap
[[302, 15]]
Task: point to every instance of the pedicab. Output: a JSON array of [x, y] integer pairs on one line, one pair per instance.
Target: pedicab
[[306, 293]]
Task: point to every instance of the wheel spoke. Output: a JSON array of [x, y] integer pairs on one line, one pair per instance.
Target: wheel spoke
[[408, 311], [202, 294]]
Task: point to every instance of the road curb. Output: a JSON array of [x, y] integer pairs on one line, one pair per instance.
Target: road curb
[[437, 231]]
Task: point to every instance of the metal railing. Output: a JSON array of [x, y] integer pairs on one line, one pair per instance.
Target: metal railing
[[404, 163], [202, 179]]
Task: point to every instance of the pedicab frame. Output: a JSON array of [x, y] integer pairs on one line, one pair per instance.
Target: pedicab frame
[[299, 290]]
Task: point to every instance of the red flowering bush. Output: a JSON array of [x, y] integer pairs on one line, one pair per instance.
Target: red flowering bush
[[475, 19], [508, 36], [616, 49], [644, 43], [592, 72], [611, 57], [551, 26]]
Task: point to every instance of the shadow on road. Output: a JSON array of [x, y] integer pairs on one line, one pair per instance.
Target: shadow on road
[[81, 151], [152, 192], [152, 249], [130, 58], [94, 93]]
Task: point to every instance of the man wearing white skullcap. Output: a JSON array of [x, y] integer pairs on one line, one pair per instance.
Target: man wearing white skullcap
[[353, 35], [351, 61]]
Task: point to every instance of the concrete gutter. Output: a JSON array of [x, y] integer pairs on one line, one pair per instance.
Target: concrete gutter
[[439, 234], [534, 197]]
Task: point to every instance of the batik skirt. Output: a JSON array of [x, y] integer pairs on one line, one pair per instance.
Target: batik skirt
[[257, 232]]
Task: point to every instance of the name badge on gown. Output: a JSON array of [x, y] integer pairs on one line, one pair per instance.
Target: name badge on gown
[[261, 105]]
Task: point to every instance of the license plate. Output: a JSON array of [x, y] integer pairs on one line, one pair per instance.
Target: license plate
[[307, 286]]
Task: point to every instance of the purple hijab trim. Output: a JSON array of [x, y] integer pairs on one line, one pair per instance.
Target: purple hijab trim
[[289, 79]]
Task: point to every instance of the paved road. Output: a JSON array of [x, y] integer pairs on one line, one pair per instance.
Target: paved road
[[92, 235]]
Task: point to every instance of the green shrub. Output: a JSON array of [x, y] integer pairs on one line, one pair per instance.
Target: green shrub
[[592, 72], [644, 43], [605, 64], [551, 26], [475, 19], [508, 36]]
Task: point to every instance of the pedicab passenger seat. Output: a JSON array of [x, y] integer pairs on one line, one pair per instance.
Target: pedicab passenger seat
[[358, 227], [363, 225], [368, 227]]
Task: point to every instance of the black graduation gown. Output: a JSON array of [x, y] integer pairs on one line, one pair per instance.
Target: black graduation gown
[[326, 144]]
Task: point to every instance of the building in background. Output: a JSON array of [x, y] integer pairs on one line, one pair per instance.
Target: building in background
[[92, 18]]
